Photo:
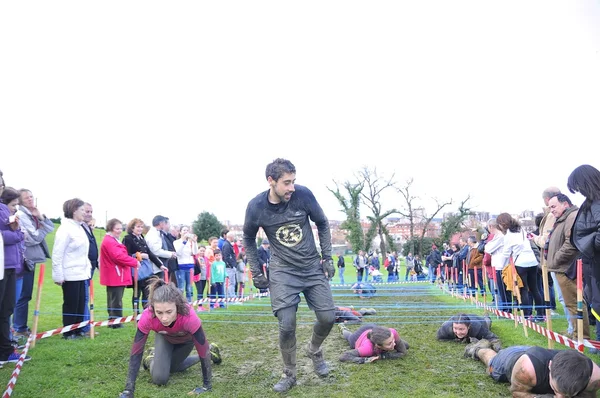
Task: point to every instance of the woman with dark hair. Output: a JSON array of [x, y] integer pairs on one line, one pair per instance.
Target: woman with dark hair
[[517, 246], [371, 342], [462, 327], [71, 266], [177, 331], [135, 243], [115, 269], [585, 235], [13, 249]]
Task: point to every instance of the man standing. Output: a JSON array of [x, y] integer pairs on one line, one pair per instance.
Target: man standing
[[93, 257], [562, 256], [230, 263], [36, 226], [222, 239], [158, 242], [284, 212], [360, 263]]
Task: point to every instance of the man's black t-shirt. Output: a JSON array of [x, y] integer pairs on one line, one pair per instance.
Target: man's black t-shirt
[[288, 228]]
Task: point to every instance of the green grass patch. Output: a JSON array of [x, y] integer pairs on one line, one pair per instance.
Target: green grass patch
[[248, 337]]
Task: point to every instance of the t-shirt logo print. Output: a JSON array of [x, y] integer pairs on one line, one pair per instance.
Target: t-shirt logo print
[[289, 235]]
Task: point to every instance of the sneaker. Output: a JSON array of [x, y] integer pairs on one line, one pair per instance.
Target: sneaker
[[319, 364], [287, 381], [215, 353], [24, 333], [14, 358], [149, 357], [554, 313], [472, 349]]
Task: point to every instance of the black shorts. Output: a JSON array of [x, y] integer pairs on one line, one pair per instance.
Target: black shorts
[[286, 284]]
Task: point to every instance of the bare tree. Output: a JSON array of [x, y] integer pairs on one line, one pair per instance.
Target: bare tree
[[440, 206], [375, 185], [351, 208], [407, 208]]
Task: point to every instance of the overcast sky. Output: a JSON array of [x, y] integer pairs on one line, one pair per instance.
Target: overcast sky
[[173, 108]]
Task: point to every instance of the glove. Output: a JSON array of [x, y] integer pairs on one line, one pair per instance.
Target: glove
[[260, 281], [126, 394], [199, 390], [329, 268]]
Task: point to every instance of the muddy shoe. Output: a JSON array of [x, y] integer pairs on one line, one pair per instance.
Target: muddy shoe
[[472, 349], [149, 357], [215, 354], [342, 327], [287, 381], [321, 368]]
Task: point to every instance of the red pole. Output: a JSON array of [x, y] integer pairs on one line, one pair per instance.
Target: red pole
[[166, 276], [36, 313]]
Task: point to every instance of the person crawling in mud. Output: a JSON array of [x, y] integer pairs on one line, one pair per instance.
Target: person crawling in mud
[[349, 315], [462, 327], [372, 342]]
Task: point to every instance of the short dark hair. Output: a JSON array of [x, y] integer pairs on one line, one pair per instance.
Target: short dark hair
[[216, 251], [224, 232], [8, 195], [110, 224], [562, 198], [71, 205], [379, 334], [278, 167], [568, 381], [158, 219], [462, 319]]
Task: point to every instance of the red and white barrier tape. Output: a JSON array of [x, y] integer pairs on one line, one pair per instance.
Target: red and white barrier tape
[[15, 374]]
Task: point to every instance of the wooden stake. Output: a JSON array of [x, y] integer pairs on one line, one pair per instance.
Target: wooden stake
[[514, 270]]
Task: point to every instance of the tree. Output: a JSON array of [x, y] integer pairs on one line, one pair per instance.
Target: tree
[[372, 199], [207, 225], [455, 223], [417, 245], [408, 209], [440, 206], [350, 206]]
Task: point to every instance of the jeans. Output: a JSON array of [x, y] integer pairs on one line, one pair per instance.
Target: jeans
[[86, 309], [431, 275], [184, 283], [216, 291], [341, 273], [232, 276], [23, 298], [359, 274], [480, 284], [505, 296], [529, 277]]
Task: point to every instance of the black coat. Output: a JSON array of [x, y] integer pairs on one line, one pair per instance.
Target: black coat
[[585, 235]]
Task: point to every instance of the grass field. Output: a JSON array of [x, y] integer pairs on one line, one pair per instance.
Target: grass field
[[247, 335]]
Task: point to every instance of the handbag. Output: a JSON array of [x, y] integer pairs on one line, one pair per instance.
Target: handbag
[[145, 270], [197, 269]]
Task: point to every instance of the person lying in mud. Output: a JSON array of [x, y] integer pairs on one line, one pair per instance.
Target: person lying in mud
[[350, 315], [372, 342], [462, 327], [363, 290], [538, 372]]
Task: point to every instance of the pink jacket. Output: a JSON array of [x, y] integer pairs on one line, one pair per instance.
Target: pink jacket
[[115, 263]]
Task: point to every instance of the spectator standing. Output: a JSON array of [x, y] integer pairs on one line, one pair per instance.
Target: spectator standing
[[115, 269], [71, 266], [36, 226]]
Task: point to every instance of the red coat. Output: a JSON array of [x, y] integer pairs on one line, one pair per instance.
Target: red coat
[[115, 263]]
